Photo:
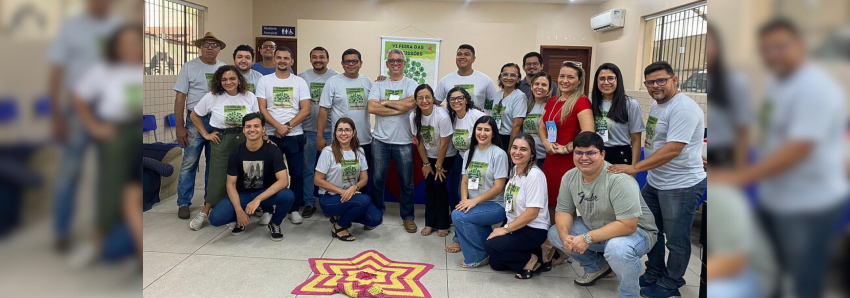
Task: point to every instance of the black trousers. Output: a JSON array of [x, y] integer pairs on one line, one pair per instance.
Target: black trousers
[[437, 213], [506, 143], [513, 251], [618, 155]]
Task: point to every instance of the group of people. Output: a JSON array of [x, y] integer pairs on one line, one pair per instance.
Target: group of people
[[529, 158]]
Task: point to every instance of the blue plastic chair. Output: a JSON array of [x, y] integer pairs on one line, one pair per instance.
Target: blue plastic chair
[[170, 122], [8, 109], [42, 106], [149, 124]]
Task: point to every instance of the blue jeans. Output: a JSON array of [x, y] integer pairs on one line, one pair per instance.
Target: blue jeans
[[621, 253], [310, 161], [191, 155], [292, 148], [69, 173], [473, 228], [403, 157], [358, 209], [224, 213], [745, 285], [454, 181], [674, 214]]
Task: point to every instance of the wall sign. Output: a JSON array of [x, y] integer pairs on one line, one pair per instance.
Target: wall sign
[[422, 54], [279, 31]]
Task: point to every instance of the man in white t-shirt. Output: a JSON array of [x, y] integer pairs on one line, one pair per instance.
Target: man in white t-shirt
[[193, 82], [676, 180], [284, 100], [803, 188], [390, 101], [345, 95], [242, 57], [77, 48], [316, 78], [479, 85]]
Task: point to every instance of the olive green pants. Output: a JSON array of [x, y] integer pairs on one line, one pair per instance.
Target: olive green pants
[[116, 162], [217, 183]]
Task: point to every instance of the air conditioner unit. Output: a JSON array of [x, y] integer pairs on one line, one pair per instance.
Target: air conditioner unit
[[608, 20]]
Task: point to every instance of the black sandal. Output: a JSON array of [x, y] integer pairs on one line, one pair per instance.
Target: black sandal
[[335, 234], [527, 274]]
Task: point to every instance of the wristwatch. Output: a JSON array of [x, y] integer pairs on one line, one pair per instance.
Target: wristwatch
[[588, 239], [507, 227], [288, 125]]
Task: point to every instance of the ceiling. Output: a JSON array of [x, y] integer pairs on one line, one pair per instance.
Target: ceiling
[[514, 1]]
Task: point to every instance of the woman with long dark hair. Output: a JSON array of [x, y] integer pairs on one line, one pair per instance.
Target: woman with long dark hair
[[341, 174], [517, 245], [463, 113], [432, 130], [617, 117], [510, 106], [484, 174], [227, 102], [730, 109], [541, 90]]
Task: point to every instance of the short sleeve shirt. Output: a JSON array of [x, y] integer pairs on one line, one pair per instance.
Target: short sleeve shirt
[[393, 129], [194, 80], [608, 198], [619, 134], [679, 120], [487, 166], [527, 191], [479, 86], [283, 99], [347, 98], [531, 124], [463, 129], [255, 170], [227, 111], [341, 174], [116, 91], [252, 77], [507, 108], [434, 127], [317, 85]]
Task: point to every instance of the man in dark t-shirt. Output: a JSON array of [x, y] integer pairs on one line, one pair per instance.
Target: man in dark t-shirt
[[256, 177]]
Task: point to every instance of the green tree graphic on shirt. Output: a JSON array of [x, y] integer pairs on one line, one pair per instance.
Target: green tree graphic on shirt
[[356, 98]]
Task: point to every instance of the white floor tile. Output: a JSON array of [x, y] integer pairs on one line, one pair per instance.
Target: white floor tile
[[464, 284], [300, 242], [167, 233], [157, 263], [394, 243]]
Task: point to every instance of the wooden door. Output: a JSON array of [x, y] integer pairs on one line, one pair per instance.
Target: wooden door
[[554, 56], [290, 43]]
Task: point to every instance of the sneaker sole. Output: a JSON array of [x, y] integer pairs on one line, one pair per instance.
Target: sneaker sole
[[276, 239], [237, 233], [601, 276], [675, 296]]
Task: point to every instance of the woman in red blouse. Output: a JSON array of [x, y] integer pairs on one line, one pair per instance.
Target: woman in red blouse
[[571, 114]]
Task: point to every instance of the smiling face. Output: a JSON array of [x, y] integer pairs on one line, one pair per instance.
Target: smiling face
[[209, 49], [607, 82], [464, 58], [283, 59], [230, 82], [243, 60], [540, 87], [425, 100], [588, 160], [319, 60], [520, 151], [483, 133], [661, 93], [351, 64], [532, 66], [344, 133], [396, 64], [567, 80], [457, 105], [509, 76], [254, 130], [267, 50]]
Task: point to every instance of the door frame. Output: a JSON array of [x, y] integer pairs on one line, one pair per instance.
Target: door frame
[[587, 69]]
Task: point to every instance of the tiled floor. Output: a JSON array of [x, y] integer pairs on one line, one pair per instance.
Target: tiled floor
[[179, 262]]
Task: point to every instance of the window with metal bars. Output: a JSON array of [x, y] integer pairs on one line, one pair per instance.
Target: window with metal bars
[[170, 28], [678, 37]]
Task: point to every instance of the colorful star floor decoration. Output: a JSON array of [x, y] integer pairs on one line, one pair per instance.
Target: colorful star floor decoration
[[369, 274]]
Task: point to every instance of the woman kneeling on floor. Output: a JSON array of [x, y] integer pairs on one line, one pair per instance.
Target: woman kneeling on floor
[[516, 246], [340, 175]]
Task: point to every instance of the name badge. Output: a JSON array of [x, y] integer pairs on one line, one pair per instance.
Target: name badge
[[603, 134], [472, 183], [551, 132], [394, 97]]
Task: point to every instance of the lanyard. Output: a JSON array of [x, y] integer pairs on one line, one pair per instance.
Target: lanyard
[[553, 114]]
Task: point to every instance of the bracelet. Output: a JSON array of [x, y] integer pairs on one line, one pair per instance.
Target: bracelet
[[440, 168], [357, 186], [426, 164]]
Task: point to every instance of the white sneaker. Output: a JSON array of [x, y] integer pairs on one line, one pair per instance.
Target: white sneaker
[[84, 255], [265, 219], [198, 222], [591, 278], [295, 218]]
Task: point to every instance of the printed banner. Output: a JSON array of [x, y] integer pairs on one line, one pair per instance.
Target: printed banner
[[421, 54]]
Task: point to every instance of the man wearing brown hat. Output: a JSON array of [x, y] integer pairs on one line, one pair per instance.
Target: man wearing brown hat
[[193, 83]]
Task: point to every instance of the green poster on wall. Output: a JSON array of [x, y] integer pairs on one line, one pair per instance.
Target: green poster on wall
[[422, 57]]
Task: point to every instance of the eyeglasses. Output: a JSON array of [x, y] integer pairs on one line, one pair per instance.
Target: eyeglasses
[[351, 62], [270, 47], [465, 54], [532, 64], [428, 98], [210, 45], [659, 82], [395, 61], [589, 154], [510, 75], [576, 63], [457, 99], [609, 79], [344, 130]]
